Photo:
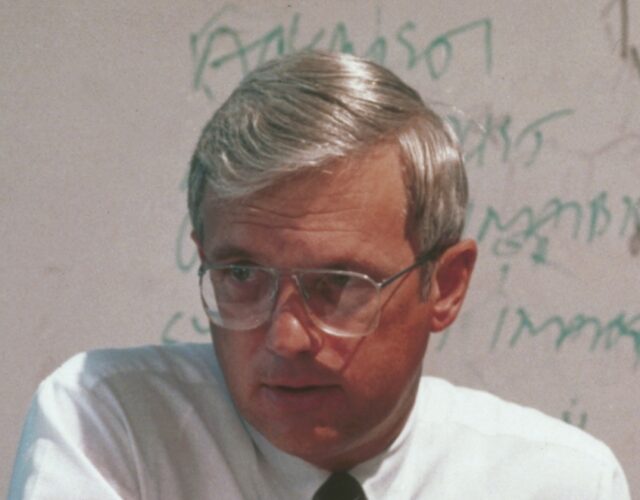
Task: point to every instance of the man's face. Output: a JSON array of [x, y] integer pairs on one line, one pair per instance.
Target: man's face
[[331, 401]]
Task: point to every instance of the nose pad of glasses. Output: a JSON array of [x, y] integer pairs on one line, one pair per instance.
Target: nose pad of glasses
[[291, 329], [284, 295], [303, 292]]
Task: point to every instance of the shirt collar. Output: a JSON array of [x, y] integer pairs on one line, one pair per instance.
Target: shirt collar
[[292, 477]]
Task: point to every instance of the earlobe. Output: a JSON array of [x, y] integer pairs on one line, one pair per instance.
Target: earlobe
[[449, 283]]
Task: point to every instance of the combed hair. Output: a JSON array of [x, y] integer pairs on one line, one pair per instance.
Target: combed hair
[[308, 109]]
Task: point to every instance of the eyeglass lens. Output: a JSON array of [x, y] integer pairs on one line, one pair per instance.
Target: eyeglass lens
[[338, 302]]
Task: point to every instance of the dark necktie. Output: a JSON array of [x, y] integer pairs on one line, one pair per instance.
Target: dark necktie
[[340, 486]]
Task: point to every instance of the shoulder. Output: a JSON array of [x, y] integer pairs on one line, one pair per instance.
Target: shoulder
[[131, 420], [486, 434], [489, 415], [179, 363], [132, 385]]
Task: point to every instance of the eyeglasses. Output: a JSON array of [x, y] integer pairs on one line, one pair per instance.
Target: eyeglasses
[[343, 303]]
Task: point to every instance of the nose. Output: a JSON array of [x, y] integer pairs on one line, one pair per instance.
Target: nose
[[291, 332]]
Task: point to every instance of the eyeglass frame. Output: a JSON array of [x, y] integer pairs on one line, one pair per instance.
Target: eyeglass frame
[[279, 271]]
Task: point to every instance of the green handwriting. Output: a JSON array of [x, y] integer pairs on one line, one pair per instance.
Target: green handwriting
[[169, 334], [218, 44], [530, 229], [602, 333], [568, 416], [522, 146]]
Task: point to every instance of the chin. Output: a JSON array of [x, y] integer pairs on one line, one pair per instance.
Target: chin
[[324, 446]]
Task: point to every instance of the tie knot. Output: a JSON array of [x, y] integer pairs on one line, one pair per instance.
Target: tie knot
[[340, 486]]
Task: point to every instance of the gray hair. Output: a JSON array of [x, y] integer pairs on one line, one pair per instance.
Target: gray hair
[[310, 108]]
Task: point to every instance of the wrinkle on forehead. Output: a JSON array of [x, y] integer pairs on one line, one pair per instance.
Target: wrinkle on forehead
[[316, 194], [297, 195], [308, 217], [294, 224], [364, 196], [281, 209]]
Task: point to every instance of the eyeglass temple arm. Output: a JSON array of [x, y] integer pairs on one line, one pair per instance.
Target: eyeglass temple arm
[[201, 270], [419, 261]]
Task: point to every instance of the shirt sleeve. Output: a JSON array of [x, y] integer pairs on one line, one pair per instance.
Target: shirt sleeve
[[74, 445], [614, 485]]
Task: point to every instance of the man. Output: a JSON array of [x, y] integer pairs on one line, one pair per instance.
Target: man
[[327, 203]]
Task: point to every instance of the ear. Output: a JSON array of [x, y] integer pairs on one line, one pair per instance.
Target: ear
[[449, 283], [195, 239]]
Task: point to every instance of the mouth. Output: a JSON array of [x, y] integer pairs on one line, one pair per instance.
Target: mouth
[[298, 389], [292, 398]]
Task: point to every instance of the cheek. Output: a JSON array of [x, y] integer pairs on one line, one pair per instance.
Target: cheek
[[382, 382], [388, 367], [392, 356], [235, 353], [405, 336]]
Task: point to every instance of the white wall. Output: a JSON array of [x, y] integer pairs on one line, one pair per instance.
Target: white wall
[[101, 106]]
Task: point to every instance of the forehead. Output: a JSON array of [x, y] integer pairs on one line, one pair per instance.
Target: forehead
[[357, 201]]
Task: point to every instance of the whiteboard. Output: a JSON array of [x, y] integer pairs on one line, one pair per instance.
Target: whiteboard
[[102, 106]]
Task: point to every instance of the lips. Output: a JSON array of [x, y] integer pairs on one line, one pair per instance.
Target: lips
[[299, 397], [301, 389]]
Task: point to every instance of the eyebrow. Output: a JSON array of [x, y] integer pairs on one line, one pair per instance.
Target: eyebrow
[[335, 257], [364, 266], [226, 252]]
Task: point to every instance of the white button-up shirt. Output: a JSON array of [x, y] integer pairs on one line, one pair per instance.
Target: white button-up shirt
[[158, 423]]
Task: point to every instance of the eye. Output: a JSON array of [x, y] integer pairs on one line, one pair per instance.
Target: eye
[[241, 274], [337, 280], [330, 284]]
